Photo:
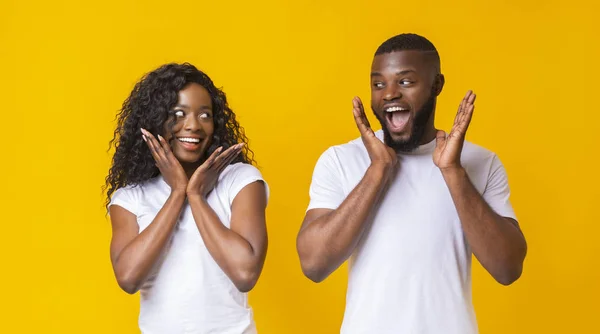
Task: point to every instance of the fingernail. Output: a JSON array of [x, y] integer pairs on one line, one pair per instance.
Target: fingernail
[[159, 137], [144, 137]]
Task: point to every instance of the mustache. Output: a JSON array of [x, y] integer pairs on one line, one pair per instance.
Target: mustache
[[420, 119]]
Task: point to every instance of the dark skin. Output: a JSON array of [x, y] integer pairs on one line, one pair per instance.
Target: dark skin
[[240, 250], [328, 237]]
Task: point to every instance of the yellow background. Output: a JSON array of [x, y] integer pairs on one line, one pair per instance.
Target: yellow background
[[290, 69]]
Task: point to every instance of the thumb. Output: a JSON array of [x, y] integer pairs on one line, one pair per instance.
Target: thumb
[[440, 138]]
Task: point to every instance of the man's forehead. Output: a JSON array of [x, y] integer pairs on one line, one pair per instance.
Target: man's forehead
[[405, 59]]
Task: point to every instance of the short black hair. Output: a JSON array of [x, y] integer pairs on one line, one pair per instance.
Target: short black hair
[[409, 41]]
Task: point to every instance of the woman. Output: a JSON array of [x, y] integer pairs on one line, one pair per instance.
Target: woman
[[186, 205]]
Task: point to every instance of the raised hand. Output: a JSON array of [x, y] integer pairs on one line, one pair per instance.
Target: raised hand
[[167, 164], [206, 175], [448, 148], [380, 153]]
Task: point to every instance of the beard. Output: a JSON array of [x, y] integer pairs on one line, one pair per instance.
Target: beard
[[416, 132]]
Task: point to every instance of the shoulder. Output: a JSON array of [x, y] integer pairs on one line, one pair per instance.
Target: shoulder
[[239, 170], [237, 176], [130, 191], [352, 150], [480, 161], [130, 196], [475, 154]]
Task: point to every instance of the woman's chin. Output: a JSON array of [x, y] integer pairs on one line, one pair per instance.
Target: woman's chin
[[188, 157]]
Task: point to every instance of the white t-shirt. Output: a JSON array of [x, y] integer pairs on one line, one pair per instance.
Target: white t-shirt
[[187, 292], [411, 271]]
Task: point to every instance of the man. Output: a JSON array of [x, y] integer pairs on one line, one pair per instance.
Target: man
[[408, 205]]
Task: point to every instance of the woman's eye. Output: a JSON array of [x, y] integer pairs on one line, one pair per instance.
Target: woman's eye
[[179, 113]]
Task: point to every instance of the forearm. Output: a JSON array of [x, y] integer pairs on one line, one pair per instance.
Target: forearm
[[234, 254], [137, 258], [497, 243], [326, 242]]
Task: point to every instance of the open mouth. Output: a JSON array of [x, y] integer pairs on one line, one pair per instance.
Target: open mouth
[[397, 118], [189, 143]]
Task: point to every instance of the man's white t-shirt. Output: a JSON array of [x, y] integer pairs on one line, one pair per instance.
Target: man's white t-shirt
[[187, 292], [411, 271]]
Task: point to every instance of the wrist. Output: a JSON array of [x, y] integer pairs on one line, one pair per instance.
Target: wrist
[[196, 196], [454, 172], [178, 193], [384, 166], [379, 171]]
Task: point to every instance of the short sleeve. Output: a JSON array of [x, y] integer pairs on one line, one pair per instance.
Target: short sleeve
[[497, 191], [239, 176], [326, 189], [127, 198]]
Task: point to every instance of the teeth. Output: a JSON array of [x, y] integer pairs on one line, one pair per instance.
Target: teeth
[[392, 109], [189, 140]]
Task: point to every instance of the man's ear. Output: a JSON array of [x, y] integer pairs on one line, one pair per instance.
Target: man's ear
[[438, 85]]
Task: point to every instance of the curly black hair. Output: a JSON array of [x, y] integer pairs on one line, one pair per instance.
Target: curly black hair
[[149, 106]]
